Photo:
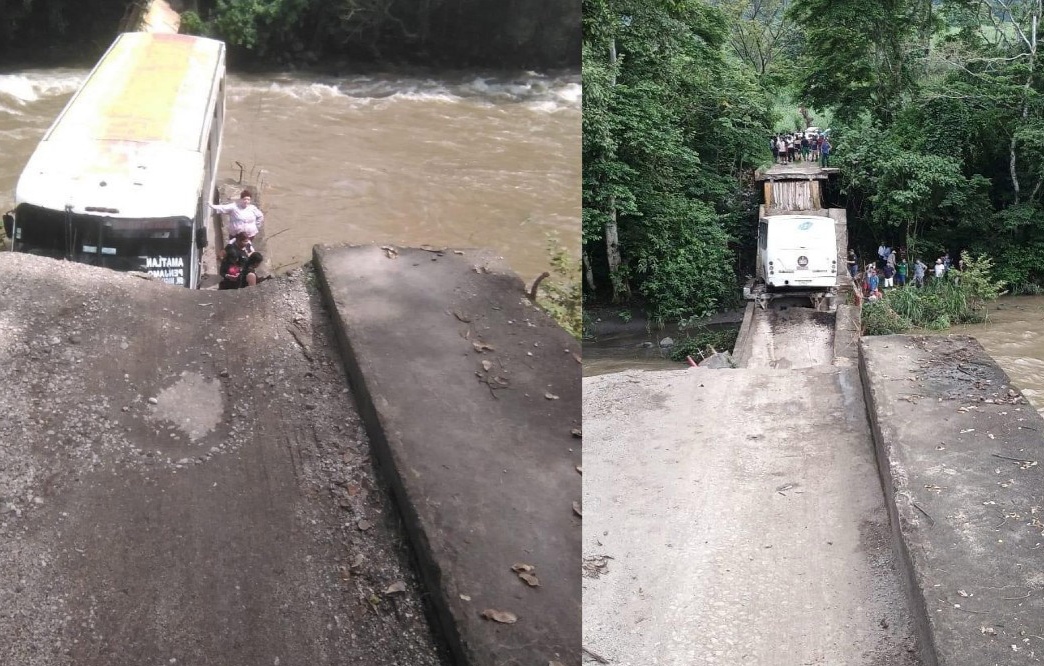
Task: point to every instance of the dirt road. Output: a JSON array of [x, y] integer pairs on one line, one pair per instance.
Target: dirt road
[[184, 480]]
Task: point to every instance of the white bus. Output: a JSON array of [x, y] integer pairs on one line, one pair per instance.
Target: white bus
[[123, 176], [797, 252]]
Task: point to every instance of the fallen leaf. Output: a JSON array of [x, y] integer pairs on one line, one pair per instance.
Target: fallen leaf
[[398, 587], [521, 567], [530, 579], [551, 396], [465, 597], [364, 525], [576, 509], [486, 365], [503, 617], [579, 469], [577, 432], [461, 317], [458, 252], [596, 565], [482, 347], [358, 561]]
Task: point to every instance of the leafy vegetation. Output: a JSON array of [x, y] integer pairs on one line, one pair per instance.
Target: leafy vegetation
[[959, 298], [672, 127], [457, 32], [701, 342], [561, 294], [937, 119]]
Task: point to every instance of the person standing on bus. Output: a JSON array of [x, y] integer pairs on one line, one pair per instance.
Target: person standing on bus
[[242, 216]]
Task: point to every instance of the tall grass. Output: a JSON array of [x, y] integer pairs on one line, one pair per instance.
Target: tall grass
[[959, 298]]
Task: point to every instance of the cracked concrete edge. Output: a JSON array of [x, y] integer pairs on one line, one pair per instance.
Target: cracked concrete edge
[[913, 582], [448, 630], [745, 340]]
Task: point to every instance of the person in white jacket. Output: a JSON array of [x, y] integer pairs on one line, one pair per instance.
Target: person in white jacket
[[242, 216]]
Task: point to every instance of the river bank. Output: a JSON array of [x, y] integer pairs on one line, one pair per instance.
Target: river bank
[[618, 338]]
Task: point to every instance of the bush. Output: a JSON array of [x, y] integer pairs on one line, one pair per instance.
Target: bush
[[560, 295], [192, 24], [959, 298], [880, 319], [703, 341]]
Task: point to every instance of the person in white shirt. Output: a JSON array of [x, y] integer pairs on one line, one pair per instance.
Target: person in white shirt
[[940, 268], [242, 216]]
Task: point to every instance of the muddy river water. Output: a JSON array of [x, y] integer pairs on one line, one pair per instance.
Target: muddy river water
[[463, 159], [1013, 335]]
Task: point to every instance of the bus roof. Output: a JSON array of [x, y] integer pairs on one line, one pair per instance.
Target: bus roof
[[134, 132]]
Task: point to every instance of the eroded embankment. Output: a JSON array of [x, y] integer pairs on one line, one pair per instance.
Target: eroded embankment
[[183, 476]]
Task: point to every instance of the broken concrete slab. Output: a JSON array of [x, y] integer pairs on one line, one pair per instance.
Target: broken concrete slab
[[959, 452], [470, 395]]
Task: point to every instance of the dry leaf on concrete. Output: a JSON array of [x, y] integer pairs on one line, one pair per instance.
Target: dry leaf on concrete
[[551, 396], [486, 365], [530, 579], [398, 587], [482, 347], [503, 617], [577, 510], [521, 567]]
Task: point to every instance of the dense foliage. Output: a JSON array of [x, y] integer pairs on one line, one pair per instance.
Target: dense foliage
[[672, 128], [937, 119], [524, 33], [941, 132]]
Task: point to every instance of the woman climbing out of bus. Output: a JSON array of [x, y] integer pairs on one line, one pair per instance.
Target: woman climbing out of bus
[[242, 216], [239, 264]]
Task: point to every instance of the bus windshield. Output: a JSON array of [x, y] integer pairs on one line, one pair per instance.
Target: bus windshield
[[158, 246]]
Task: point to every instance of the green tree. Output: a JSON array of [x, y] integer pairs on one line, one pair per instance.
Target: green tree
[[763, 37], [670, 126], [863, 56]]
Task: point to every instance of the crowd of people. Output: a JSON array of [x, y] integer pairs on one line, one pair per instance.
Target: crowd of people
[[801, 147], [239, 260], [892, 269]]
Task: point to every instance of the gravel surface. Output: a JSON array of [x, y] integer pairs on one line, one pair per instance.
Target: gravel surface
[[184, 480]]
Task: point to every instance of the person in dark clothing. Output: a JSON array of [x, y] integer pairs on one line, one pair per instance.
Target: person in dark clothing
[[824, 153], [853, 263], [239, 264]]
